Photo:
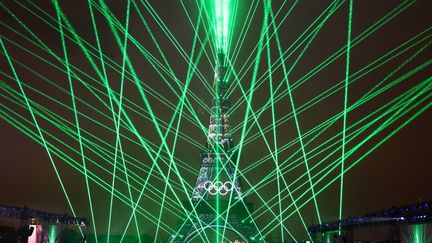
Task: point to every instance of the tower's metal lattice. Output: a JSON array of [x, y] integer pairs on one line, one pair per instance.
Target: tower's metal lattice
[[217, 177]]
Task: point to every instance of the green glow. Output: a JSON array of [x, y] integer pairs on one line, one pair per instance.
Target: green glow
[[418, 233], [52, 233], [328, 237], [222, 9]]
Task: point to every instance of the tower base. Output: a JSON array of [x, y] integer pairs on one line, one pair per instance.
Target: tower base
[[205, 228]]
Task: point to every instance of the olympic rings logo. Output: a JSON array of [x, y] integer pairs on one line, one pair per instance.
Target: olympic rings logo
[[218, 187]]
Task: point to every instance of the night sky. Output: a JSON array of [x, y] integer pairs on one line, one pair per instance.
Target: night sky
[[398, 172]]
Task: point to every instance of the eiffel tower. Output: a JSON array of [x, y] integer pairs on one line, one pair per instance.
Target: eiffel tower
[[217, 186]]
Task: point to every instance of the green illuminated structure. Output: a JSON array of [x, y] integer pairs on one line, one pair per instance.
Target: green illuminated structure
[[217, 198], [218, 195], [113, 91]]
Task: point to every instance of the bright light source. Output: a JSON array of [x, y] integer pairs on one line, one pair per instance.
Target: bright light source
[[221, 25]]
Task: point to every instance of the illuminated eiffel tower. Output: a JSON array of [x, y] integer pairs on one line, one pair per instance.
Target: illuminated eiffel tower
[[217, 184]]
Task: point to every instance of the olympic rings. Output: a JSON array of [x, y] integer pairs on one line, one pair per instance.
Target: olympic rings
[[218, 187]]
